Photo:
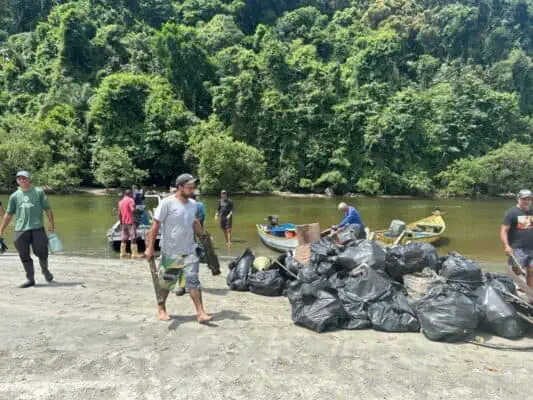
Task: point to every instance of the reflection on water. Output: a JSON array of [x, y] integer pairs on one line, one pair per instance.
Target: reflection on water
[[472, 225]]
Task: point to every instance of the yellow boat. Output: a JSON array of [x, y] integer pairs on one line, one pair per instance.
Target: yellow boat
[[427, 230]]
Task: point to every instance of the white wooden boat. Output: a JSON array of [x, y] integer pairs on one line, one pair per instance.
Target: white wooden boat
[[280, 238]]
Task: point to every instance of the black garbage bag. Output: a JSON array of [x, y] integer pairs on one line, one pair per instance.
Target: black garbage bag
[[320, 312], [500, 282], [411, 258], [337, 279], [448, 315], [366, 252], [322, 250], [239, 271], [349, 235], [325, 268], [266, 283], [393, 315], [292, 265], [500, 317], [354, 306], [458, 269]]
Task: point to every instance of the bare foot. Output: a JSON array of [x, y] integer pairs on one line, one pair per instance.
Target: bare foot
[[163, 316], [203, 318]]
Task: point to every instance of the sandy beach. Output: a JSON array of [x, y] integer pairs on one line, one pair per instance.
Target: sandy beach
[[94, 335]]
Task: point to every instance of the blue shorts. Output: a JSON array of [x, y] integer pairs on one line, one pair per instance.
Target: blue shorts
[[524, 257]]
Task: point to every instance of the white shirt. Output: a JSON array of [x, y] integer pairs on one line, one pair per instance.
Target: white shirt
[[177, 226]]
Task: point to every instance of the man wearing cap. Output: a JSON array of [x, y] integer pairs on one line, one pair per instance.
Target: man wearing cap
[[351, 217], [225, 212], [27, 204], [516, 233], [176, 216]]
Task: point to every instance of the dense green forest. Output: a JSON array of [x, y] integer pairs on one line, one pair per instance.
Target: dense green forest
[[386, 96]]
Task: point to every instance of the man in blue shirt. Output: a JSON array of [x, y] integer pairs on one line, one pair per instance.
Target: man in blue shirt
[[351, 217]]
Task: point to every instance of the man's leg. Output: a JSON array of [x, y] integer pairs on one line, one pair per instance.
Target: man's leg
[[168, 278], [123, 240], [39, 244], [22, 244], [192, 282]]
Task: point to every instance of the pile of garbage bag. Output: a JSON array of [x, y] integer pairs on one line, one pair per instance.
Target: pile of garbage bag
[[357, 284]]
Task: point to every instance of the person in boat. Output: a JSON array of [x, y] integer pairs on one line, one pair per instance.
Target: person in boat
[[28, 204], [516, 233], [351, 217], [176, 216], [225, 213], [126, 209], [139, 213]]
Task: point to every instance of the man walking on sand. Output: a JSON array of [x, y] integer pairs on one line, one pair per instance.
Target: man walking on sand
[[27, 204], [516, 233], [225, 213], [176, 216], [126, 208]]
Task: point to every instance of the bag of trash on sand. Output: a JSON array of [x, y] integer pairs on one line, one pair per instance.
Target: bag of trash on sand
[[393, 315], [266, 283], [239, 270], [323, 249], [448, 315], [458, 269], [318, 310], [366, 252], [500, 282], [411, 258], [500, 317]]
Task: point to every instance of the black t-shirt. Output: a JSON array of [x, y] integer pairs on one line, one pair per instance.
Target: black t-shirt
[[521, 228], [225, 207]]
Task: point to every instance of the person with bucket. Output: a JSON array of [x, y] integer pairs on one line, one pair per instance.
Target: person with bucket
[[27, 205]]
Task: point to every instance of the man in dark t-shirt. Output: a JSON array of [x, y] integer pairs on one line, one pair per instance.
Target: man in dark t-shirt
[[517, 232], [225, 212]]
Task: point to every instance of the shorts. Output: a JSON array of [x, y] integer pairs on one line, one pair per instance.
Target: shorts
[[225, 222], [524, 257], [127, 232], [179, 270]]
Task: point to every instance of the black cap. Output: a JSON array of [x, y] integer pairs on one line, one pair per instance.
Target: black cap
[[185, 178]]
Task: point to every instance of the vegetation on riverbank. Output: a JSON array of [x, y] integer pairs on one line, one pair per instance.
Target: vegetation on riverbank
[[394, 97]]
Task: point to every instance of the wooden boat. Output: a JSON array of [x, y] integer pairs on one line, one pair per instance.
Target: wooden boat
[[279, 237], [426, 230]]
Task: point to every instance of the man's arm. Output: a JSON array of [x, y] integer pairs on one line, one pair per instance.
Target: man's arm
[[50, 216], [504, 236], [197, 226], [152, 235], [5, 222]]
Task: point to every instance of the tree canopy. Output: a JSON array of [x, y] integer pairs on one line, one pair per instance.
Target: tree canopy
[[389, 96]]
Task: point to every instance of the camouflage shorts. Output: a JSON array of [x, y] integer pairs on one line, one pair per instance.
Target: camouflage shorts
[[179, 270]]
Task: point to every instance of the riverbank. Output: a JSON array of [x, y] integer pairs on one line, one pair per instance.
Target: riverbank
[[94, 335]]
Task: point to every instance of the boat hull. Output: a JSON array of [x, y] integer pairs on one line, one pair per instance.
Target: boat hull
[[411, 236], [279, 244]]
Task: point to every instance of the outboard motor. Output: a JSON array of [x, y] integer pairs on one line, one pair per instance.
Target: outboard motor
[[397, 227]]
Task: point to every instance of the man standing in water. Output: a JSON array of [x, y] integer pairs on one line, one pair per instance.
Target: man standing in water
[[225, 212], [516, 233], [176, 216], [27, 204], [126, 208]]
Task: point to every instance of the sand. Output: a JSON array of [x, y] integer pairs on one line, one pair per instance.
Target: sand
[[94, 335]]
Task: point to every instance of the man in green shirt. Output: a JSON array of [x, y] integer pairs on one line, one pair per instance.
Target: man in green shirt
[[27, 204]]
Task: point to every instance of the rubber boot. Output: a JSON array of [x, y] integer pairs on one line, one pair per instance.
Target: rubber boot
[[44, 269], [30, 275], [134, 251], [123, 253]]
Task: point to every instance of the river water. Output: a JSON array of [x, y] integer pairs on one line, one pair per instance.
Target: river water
[[472, 225]]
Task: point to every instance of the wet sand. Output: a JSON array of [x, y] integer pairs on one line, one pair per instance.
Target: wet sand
[[94, 335]]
